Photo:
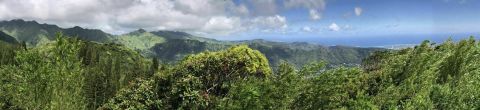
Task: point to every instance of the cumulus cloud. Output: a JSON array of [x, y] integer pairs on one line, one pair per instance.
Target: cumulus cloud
[[307, 29], [198, 16], [358, 11], [121, 16], [314, 15], [314, 6], [268, 23], [241, 10], [311, 4], [222, 24], [334, 27]]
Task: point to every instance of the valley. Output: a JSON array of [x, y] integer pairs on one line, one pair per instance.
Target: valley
[[172, 46]]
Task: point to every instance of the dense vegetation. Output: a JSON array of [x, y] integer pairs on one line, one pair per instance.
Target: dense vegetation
[[7, 38], [35, 34], [69, 73], [173, 46], [429, 76]]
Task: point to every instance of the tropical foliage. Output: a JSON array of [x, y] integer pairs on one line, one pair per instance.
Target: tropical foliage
[[74, 74], [428, 76], [67, 74]]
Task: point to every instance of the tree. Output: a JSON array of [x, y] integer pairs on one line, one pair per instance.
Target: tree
[[154, 66]]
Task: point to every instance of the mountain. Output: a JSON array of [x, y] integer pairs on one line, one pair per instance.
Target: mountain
[[29, 31], [181, 35], [87, 34], [296, 53], [7, 38], [35, 34], [173, 34], [172, 46], [139, 40], [303, 53]]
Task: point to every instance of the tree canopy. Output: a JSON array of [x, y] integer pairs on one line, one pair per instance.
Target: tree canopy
[[75, 74]]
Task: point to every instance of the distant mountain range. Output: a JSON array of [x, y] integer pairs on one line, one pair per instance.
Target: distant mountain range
[[35, 34], [171, 46]]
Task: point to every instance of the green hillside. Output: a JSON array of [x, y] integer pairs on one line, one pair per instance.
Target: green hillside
[[73, 74], [35, 34], [140, 41], [296, 53], [8, 45], [67, 73], [172, 46], [87, 34], [29, 31], [303, 53], [429, 76], [7, 38]]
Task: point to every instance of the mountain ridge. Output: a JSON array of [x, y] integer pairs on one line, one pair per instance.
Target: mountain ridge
[[172, 46], [34, 33]]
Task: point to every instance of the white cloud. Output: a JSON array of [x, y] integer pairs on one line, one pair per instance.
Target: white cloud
[[242, 10], [314, 15], [315, 7], [269, 23], [334, 27], [310, 4], [307, 29], [121, 16], [222, 25], [358, 11]]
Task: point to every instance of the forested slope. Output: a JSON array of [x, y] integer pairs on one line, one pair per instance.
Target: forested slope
[[67, 74], [444, 76], [73, 74], [172, 46], [8, 45], [35, 34], [5, 38]]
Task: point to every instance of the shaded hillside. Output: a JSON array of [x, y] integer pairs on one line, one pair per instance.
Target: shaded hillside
[[172, 34], [29, 31], [35, 34], [175, 49], [179, 44], [8, 45], [140, 41], [7, 38], [303, 53], [296, 53], [87, 34]]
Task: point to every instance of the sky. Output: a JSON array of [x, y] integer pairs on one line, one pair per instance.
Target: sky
[[331, 22]]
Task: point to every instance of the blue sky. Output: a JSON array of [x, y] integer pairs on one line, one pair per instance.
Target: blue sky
[[381, 18], [329, 22]]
